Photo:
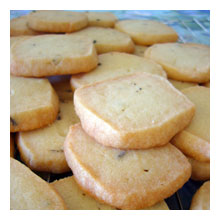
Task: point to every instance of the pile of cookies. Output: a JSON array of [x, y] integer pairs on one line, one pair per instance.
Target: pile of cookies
[[119, 103]]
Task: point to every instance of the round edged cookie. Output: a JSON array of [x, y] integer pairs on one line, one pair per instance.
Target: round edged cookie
[[76, 199], [182, 61], [115, 64], [194, 140], [57, 21], [18, 27], [42, 149], [133, 179], [107, 39], [29, 192], [200, 170], [33, 103], [101, 19], [108, 111], [48, 55], [181, 85], [201, 199], [147, 32]]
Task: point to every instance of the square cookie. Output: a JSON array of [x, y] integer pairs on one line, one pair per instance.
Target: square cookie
[[114, 64], [47, 55], [130, 179], [194, 140], [29, 192], [42, 149], [33, 103], [108, 39], [147, 32], [57, 21], [132, 112], [184, 62], [76, 199]]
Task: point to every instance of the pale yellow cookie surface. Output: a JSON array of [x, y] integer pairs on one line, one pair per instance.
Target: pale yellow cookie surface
[[115, 64], [29, 191], [76, 199], [125, 179], [201, 199], [42, 149], [194, 140], [57, 21], [181, 85], [108, 39], [33, 103], [15, 39], [183, 62], [147, 32], [131, 112], [47, 55], [101, 19], [200, 170], [18, 26]]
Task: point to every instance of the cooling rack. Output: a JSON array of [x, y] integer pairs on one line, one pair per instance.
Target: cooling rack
[[191, 26]]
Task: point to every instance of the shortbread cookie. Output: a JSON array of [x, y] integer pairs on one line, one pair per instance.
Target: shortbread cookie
[[194, 141], [29, 191], [63, 89], [139, 50], [12, 145], [42, 149], [18, 26], [107, 39], [76, 199], [147, 32], [133, 179], [183, 62], [200, 170], [182, 85], [47, 55], [33, 103], [201, 199], [133, 112], [101, 19], [57, 21], [115, 64]]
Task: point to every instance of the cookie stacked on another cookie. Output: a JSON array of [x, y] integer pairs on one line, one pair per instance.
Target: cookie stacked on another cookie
[[39, 113], [117, 140], [194, 140], [118, 116]]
